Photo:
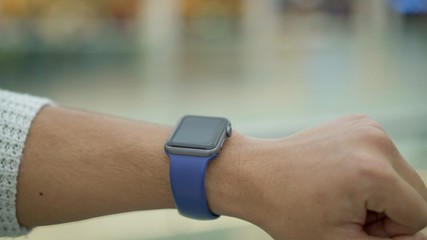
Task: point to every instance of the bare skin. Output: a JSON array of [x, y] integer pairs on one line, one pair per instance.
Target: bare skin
[[344, 179]]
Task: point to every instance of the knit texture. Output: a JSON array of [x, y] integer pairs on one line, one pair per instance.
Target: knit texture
[[17, 111]]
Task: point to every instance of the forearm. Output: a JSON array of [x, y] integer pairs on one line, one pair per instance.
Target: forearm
[[78, 165]]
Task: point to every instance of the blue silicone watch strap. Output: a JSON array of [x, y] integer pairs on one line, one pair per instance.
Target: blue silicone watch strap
[[187, 177]]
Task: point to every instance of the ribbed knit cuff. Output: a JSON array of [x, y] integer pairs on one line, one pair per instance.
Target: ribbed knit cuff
[[17, 111]]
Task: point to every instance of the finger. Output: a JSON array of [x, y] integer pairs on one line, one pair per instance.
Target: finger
[[405, 170], [378, 228], [410, 175], [372, 217], [374, 238], [375, 229], [405, 208], [400, 165], [395, 229], [418, 236]]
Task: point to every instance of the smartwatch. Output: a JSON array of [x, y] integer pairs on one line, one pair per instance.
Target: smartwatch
[[195, 142]]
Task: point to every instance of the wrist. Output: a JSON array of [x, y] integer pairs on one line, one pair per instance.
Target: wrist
[[235, 183], [224, 178]]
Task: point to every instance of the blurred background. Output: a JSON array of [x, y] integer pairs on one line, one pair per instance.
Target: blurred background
[[273, 67]]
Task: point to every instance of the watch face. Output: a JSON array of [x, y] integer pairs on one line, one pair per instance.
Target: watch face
[[199, 132]]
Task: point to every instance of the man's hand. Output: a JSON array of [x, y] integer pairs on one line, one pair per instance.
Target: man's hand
[[341, 180]]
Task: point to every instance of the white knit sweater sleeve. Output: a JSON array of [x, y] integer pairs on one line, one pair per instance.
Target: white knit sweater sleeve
[[17, 111]]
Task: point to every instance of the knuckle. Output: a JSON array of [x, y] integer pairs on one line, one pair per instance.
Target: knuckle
[[377, 137], [367, 121], [358, 116], [374, 124], [364, 121], [372, 169], [372, 132]]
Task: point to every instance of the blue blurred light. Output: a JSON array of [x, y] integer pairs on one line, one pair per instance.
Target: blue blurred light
[[409, 6]]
